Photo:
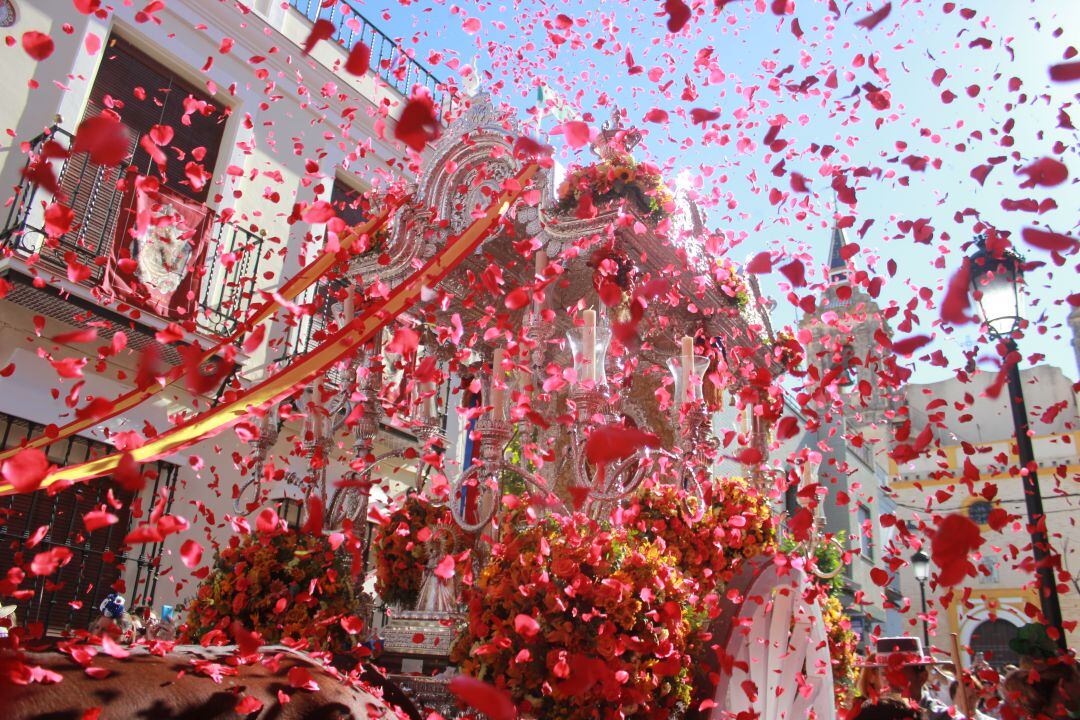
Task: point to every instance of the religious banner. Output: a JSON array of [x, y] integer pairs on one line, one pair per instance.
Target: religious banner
[[159, 254]]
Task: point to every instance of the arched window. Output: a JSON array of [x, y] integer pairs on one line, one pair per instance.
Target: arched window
[[991, 640]]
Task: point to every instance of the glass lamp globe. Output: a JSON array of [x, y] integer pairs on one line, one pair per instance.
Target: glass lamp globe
[[997, 278], [920, 566]]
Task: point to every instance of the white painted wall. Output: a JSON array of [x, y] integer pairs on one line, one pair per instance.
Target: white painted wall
[[303, 109]]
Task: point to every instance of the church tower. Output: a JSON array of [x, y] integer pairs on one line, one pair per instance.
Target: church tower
[[847, 328], [1074, 325]]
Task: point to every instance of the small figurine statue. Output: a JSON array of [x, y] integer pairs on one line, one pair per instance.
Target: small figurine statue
[[163, 629], [7, 619], [437, 595], [113, 606], [114, 618]]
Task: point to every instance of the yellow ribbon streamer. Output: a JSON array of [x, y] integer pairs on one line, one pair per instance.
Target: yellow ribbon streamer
[[281, 385]]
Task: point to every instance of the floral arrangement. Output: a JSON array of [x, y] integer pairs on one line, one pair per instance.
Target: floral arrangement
[[788, 351], [284, 585], [617, 177], [843, 649], [575, 620], [737, 524], [401, 548], [843, 642], [731, 282]]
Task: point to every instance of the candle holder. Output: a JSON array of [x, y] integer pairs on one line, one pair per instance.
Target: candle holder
[[483, 480], [590, 403], [589, 345], [688, 380]]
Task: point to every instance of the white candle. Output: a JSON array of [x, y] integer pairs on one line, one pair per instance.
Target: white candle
[[498, 388], [427, 400], [686, 367], [588, 344], [541, 264]]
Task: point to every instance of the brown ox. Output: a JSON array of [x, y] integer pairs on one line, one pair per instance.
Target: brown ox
[[150, 687]]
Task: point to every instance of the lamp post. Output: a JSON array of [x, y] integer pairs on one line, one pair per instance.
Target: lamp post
[[996, 276], [920, 566]]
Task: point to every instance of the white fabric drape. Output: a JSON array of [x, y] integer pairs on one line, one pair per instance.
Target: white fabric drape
[[778, 642]]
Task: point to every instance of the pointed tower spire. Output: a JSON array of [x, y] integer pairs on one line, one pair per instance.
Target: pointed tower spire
[[837, 264]]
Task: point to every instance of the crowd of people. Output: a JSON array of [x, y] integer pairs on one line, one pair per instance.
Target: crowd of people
[[900, 682]]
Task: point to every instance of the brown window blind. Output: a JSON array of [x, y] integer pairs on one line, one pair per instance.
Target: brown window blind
[[349, 204], [145, 93]]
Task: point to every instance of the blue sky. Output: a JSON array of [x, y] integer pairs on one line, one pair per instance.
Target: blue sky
[[750, 45]]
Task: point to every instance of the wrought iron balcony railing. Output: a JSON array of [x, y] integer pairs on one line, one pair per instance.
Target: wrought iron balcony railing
[[323, 303], [225, 280], [388, 60]]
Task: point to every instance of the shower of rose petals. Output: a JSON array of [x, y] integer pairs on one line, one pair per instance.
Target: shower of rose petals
[[1046, 172], [37, 45], [616, 441], [656, 115], [191, 553], [417, 125], [517, 299], [955, 538], [248, 704], [58, 219], [104, 138], [795, 272], [701, 116], [25, 470], [1050, 241], [957, 298], [322, 29], [97, 519], [576, 132], [301, 679], [872, 20], [678, 14], [1065, 72], [359, 59], [48, 562], [908, 346], [445, 568], [493, 702], [526, 626], [760, 264], [112, 649]]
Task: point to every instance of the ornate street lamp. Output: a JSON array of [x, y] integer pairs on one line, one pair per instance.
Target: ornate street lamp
[[997, 278], [920, 567]]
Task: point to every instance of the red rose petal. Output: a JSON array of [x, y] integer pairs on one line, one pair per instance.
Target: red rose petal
[[37, 45], [489, 700]]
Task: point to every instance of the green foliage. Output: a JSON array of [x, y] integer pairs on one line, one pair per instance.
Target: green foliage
[[829, 558]]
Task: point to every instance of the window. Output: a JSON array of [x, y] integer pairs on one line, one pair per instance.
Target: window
[[170, 256], [979, 512], [988, 570], [349, 203], [991, 640], [145, 93], [866, 532], [100, 562]]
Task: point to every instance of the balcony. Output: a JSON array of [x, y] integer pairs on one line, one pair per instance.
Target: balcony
[[396, 68], [75, 266]]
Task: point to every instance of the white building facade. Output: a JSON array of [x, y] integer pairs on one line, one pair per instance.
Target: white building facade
[[254, 126]]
